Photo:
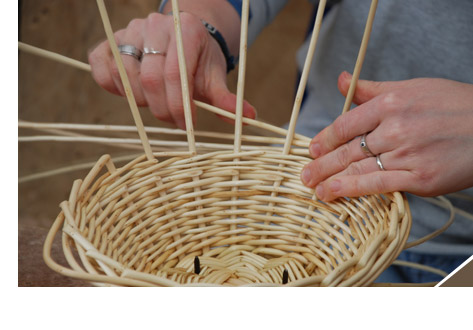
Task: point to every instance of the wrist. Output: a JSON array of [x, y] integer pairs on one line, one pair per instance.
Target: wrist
[[229, 58], [221, 14]]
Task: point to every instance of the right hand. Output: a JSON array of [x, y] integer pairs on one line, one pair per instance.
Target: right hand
[[155, 80], [421, 128]]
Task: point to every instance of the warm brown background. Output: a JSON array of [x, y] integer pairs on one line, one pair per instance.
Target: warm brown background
[[52, 92]]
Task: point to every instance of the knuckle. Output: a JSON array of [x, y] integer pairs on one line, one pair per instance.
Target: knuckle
[[427, 180], [161, 115], [355, 169], [194, 26], [395, 131], [343, 155], [172, 74], [340, 128], [357, 186], [151, 81], [155, 18], [189, 19], [392, 102], [177, 110], [379, 184], [135, 23], [373, 185], [405, 152]]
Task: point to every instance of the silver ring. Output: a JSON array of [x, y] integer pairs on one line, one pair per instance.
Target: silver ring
[[364, 146], [130, 50], [378, 161], [152, 51]]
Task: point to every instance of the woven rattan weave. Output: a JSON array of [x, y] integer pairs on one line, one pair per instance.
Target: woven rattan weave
[[145, 223]]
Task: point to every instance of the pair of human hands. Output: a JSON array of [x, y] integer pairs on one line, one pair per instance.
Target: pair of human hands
[[422, 129]]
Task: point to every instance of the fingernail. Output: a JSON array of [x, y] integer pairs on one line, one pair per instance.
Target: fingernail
[[314, 150], [306, 175], [319, 191], [335, 185], [249, 111]]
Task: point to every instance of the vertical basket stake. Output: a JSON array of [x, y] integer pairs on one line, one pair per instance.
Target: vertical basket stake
[[124, 78], [304, 77], [184, 82], [241, 74], [298, 100], [361, 56], [300, 93], [240, 94]]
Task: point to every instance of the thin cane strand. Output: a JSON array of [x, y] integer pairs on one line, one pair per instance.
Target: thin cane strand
[[124, 78], [304, 76], [361, 56]]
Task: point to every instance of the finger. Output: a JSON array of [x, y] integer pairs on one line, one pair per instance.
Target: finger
[[154, 88], [354, 180], [363, 119], [332, 163], [376, 182], [100, 59], [350, 163], [211, 84], [378, 141], [348, 160], [344, 157], [152, 67], [367, 89], [224, 99], [172, 82], [193, 43], [131, 36], [364, 166]]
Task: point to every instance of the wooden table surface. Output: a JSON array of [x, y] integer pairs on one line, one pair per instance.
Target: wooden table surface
[[32, 270]]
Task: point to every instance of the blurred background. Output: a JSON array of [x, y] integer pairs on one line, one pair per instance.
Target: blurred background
[[53, 92]]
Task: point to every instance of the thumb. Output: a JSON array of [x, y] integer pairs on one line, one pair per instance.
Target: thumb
[[365, 89]]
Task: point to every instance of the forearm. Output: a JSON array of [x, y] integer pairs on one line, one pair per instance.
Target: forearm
[[219, 13]]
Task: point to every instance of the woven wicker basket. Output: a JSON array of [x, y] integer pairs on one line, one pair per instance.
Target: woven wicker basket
[[223, 217], [145, 223]]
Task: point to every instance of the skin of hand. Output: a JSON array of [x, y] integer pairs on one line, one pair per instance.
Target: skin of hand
[[156, 80], [421, 128]]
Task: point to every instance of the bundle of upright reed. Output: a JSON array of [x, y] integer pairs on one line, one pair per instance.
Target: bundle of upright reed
[[223, 216]]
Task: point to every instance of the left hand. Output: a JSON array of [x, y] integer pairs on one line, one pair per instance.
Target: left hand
[[422, 130]]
